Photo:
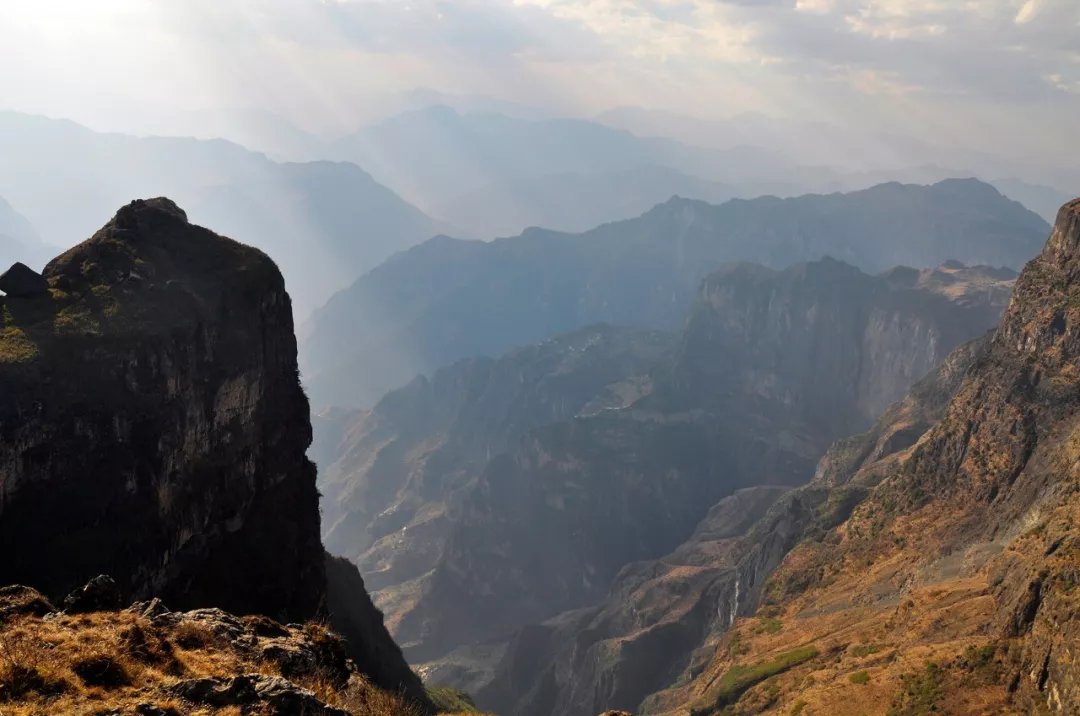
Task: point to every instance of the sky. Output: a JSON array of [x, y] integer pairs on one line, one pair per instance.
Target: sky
[[983, 73]]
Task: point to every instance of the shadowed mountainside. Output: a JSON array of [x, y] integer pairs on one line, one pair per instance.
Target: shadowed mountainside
[[770, 369], [153, 427], [947, 582]]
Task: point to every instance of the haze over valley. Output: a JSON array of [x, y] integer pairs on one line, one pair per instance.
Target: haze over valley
[[539, 358]]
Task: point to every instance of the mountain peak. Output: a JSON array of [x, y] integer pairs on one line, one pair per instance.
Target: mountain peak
[[1064, 244]]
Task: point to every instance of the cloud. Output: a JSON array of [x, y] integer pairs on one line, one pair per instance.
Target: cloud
[[971, 61]]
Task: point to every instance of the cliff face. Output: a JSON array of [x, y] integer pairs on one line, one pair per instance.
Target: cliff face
[[389, 495], [153, 427], [950, 586], [662, 619], [552, 520]]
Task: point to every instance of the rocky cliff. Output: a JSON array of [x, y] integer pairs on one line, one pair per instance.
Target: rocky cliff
[[950, 586], [392, 484], [153, 427], [662, 619], [550, 521]]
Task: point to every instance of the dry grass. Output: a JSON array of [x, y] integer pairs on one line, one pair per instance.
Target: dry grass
[[99, 662]]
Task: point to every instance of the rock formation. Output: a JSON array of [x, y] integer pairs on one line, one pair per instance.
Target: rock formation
[[22, 281], [151, 661], [153, 427]]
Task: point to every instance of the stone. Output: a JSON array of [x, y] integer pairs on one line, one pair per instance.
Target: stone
[[21, 281], [271, 694], [98, 595], [18, 600]]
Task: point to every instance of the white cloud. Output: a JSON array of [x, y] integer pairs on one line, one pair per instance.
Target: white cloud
[[960, 60]]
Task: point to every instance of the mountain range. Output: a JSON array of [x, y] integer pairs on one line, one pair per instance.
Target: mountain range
[[503, 492], [324, 223], [449, 299]]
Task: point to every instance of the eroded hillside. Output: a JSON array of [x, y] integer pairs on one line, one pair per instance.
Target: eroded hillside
[[950, 587]]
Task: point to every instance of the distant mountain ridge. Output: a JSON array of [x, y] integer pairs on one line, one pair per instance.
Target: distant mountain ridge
[[440, 159], [448, 299], [323, 223]]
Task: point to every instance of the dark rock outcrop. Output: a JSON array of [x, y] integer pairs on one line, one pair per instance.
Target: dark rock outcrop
[[153, 427], [271, 695], [353, 615], [98, 595], [22, 281]]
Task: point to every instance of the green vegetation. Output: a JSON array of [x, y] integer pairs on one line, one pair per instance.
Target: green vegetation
[[921, 693], [768, 625], [861, 650], [16, 346], [448, 700], [741, 677], [860, 678], [797, 708]]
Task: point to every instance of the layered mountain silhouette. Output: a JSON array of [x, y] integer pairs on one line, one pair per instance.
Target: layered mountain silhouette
[[438, 158], [448, 299], [324, 223]]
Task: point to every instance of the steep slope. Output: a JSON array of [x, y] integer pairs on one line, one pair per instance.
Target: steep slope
[[324, 223], [662, 620], [388, 498], [446, 300], [153, 427], [552, 520], [950, 587]]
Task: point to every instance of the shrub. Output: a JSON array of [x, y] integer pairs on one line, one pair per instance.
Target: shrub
[[859, 677], [740, 677]]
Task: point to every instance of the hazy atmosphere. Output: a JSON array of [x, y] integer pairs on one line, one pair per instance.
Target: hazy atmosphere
[[998, 76], [539, 357]]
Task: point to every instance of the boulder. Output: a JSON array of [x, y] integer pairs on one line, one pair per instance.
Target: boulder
[[22, 281], [100, 594], [18, 600], [270, 694]]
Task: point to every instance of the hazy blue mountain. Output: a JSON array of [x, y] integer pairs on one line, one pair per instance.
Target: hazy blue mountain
[[19, 240], [1043, 200], [433, 156], [448, 299], [324, 224], [850, 149], [580, 201]]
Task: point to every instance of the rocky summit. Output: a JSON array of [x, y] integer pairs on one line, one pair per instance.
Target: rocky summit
[[153, 428]]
